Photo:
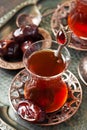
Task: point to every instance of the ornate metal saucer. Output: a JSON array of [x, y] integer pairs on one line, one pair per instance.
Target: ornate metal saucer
[[14, 65], [68, 110], [60, 15]]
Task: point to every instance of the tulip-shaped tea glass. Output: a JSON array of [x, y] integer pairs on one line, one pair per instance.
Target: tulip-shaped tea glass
[[72, 15], [77, 21], [46, 87]]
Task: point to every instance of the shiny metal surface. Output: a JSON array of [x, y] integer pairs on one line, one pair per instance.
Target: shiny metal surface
[[82, 70], [79, 120]]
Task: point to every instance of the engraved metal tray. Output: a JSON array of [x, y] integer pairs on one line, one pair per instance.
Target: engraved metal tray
[[8, 119]]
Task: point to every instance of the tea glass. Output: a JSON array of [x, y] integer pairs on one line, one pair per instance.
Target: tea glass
[[48, 92], [77, 21]]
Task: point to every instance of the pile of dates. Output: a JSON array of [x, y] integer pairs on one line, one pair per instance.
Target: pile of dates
[[21, 39]]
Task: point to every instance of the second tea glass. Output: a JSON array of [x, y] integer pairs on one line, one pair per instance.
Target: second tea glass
[[77, 21]]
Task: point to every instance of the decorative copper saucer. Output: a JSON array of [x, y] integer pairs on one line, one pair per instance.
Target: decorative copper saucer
[[68, 110], [19, 64], [60, 15]]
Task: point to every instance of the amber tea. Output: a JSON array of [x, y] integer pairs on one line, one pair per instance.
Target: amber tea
[[47, 90], [77, 18]]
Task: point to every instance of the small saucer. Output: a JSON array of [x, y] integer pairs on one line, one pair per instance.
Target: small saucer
[[16, 94], [19, 64], [60, 15]]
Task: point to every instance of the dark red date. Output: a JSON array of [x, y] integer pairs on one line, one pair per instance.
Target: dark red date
[[25, 45], [25, 33], [10, 49], [30, 112]]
